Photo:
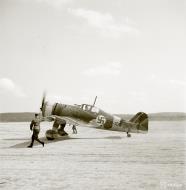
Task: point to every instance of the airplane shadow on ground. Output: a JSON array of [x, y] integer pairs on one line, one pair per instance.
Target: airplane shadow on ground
[[27, 142]]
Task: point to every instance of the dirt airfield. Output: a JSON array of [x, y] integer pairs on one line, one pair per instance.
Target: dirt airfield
[[94, 159]]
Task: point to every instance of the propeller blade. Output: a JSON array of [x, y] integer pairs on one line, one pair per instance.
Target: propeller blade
[[43, 101]]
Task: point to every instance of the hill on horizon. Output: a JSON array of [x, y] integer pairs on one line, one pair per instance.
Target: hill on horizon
[[16, 117], [160, 116], [28, 116]]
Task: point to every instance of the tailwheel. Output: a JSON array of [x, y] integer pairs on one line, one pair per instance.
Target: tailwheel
[[128, 134]]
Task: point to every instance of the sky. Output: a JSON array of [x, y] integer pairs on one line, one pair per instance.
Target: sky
[[129, 53]]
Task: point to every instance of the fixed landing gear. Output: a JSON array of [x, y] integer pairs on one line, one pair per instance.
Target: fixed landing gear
[[57, 130], [51, 134], [128, 134]]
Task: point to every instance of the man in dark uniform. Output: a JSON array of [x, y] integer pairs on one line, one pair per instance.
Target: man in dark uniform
[[74, 129], [35, 127]]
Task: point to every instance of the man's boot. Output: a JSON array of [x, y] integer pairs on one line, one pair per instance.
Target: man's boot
[[43, 144], [29, 146]]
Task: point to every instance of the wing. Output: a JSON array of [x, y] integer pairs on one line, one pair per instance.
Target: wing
[[69, 120]]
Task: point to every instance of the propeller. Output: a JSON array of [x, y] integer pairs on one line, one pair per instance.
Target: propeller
[[43, 103]]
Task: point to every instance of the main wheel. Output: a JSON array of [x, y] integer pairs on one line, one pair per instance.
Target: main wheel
[[51, 134]]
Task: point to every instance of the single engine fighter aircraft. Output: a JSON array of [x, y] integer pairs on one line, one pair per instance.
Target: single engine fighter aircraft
[[88, 115]]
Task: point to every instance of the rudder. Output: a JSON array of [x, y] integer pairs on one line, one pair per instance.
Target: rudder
[[140, 118]]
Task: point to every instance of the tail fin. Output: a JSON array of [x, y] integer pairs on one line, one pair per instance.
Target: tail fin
[[141, 118]]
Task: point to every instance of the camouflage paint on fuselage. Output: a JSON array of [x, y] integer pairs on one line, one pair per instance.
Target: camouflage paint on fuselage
[[87, 113], [78, 113]]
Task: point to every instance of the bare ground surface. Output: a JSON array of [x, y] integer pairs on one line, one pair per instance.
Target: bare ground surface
[[94, 159]]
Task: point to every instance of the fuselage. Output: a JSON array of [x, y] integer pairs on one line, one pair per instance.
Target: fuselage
[[89, 113], [83, 112]]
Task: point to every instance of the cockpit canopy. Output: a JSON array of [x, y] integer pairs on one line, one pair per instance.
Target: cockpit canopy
[[89, 108]]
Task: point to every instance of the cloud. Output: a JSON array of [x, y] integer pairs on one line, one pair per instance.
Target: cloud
[[110, 69], [105, 23], [178, 82], [55, 3], [67, 99], [92, 92], [53, 98], [138, 95], [164, 81], [8, 86]]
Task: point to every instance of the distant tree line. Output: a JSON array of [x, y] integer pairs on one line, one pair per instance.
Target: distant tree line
[[28, 116]]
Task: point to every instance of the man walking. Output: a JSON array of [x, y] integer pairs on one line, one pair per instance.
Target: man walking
[[74, 129], [35, 127]]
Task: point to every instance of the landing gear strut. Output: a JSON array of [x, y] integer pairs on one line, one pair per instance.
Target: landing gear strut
[[57, 130]]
